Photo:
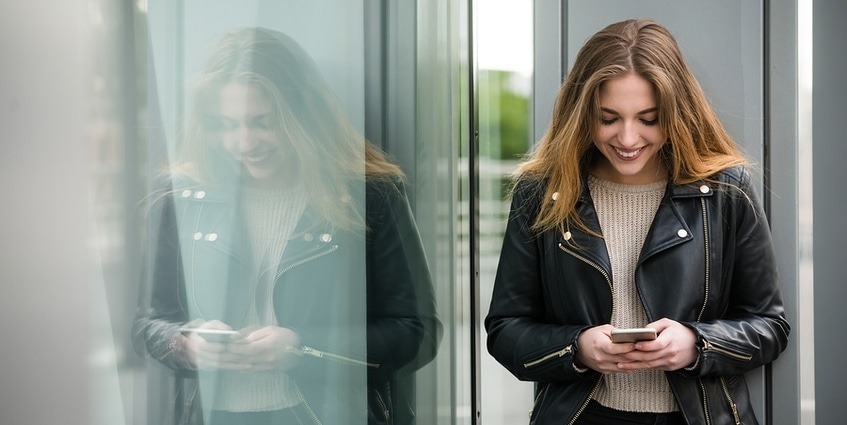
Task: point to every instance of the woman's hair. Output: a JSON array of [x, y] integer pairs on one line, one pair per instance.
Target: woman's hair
[[697, 144], [332, 156]]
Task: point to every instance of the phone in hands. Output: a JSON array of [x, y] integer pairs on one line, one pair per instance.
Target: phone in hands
[[214, 335], [633, 334]]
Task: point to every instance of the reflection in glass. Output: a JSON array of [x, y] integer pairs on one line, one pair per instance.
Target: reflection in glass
[[286, 279]]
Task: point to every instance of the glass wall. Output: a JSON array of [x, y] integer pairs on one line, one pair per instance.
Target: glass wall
[[198, 105]]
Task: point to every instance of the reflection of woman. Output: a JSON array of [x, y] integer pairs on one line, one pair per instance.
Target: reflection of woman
[[283, 224], [635, 211]]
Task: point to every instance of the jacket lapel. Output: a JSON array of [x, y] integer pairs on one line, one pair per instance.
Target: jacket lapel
[[669, 228]]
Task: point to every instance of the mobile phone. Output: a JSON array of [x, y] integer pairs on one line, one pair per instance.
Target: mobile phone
[[214, 335], [633, 334]]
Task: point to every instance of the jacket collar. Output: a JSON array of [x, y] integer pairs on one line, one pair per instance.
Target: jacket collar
[[668, 228]]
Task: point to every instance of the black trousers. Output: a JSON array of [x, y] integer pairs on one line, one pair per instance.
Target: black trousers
[[597, 414]]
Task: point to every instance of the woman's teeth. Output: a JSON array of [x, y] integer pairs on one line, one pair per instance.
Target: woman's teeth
[[257, 157], [631, 154]]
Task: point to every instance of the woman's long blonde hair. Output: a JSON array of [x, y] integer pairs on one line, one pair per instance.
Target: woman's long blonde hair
[[697, 145], [332, 155]]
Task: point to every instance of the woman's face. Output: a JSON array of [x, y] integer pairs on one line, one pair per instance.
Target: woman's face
[[249, 136], [628, 134]]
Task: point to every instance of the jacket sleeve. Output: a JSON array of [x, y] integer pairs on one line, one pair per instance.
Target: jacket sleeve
[[521, 334], [155, 330], [404, 330], [753, 330]]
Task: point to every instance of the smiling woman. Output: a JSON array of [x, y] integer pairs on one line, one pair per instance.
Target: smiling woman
[[629, 214]]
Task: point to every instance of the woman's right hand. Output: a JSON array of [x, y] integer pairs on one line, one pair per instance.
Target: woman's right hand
[[597, 351], [210, 355]]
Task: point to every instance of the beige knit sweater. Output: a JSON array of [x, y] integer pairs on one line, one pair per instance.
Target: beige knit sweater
[[270, 217], [626, 213]]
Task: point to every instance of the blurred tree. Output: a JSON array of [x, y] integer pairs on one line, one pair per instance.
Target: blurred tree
[[506, 123]]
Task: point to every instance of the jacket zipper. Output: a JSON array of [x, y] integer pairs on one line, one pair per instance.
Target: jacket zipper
[[585, 403], [708, 346], [186, 406], [592, 264], [550, 356], [732, 404], [706, 288], [379, 400], [708, 257], [306, 404], [309, 351], [611, 289], [299, 262], [705, 402], [194, 265], [287, 268]]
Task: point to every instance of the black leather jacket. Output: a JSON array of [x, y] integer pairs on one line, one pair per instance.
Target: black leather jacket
[[361, 301], [707, 262]]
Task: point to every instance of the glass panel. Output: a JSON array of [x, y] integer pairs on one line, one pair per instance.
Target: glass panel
[[270, 215], [504, 84], [440, 126]]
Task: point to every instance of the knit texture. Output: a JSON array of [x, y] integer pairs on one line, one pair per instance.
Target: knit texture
[[270, 217], [626, 213]]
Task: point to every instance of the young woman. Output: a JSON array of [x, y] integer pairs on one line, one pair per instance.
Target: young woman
[[287, 282], [636, 210]]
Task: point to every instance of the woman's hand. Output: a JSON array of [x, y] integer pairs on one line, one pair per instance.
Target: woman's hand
[[598, 352], [266, 349], [673, 349], [210, 355]]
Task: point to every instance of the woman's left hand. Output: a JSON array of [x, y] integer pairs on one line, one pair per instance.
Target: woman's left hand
[[266, 349], [673, 349]]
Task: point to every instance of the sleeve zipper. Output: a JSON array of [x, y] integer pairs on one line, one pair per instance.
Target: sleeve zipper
[[708, 346], [550, 356], [309, 351]]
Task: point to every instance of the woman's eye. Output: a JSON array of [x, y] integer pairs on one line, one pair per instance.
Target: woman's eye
[[218, 124], [652, 122], [608, 121]]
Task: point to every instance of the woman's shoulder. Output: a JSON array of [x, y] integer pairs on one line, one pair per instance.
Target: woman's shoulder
[[527, 188], [738, 175], [385, 186]]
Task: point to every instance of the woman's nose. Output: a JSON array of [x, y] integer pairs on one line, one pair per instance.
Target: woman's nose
[[629, 135], [245, 139]]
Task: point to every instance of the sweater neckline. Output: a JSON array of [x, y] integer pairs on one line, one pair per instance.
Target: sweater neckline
[[627, 188]]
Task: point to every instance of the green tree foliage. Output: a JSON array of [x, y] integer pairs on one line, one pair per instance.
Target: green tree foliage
[[505, 115]]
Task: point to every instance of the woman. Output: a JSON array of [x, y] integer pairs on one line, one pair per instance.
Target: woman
[[636, 210], [287, 281]]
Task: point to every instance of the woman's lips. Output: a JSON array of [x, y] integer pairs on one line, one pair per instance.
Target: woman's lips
[[629, 154], [257, 157]]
